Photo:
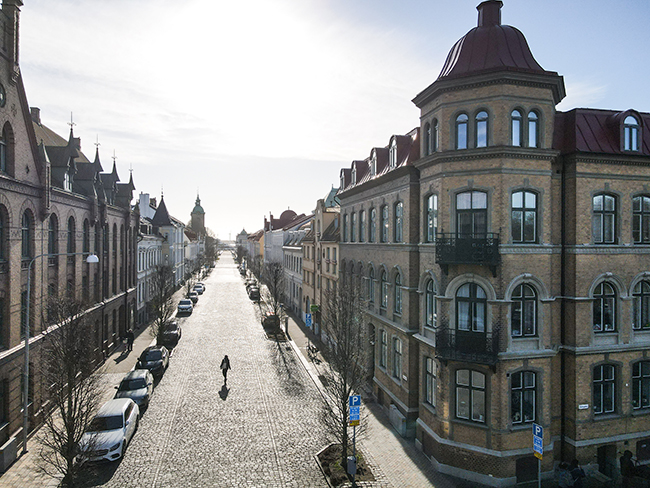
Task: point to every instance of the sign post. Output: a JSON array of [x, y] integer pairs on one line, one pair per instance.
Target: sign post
[[355, 406], [538, 450]]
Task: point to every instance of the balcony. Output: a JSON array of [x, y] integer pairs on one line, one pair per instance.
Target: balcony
[[468, 347], [453, 248]]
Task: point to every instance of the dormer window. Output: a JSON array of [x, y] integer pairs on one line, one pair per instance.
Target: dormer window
[[393, 154], [67, 181], [373, 164], [342, 181], [354, 175], [631, 134]]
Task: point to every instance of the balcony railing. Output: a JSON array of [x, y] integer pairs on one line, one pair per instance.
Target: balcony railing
[[467, 346], [454, 248]]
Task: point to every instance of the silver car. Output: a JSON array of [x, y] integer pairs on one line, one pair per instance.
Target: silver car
[[185, 306], [136, 385]]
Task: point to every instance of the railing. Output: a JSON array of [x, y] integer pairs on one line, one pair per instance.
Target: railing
[[467, 346], [455, 248]]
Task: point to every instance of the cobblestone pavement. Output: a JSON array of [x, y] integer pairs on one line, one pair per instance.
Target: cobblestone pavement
[[261, 430]]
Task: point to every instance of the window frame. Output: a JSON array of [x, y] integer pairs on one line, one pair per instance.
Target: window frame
[[362, 226], [599, 383], [353, 227], [383, 348], [519, 390], [602, 300], [641, 384], [27, 236], [481, 129], [533, 125], [430, 380], [475, 213], [430, 305], [641, 219], [631, 134], [427, 139], [519, 216], [601, 216], [471, 388], [383, 289], [398, 217], [461, 123], [397, 293], [431, 218], [472, 312], [371, 285], [519, 297], [383, 224], [641, 306], [397, 358], [519, 130]]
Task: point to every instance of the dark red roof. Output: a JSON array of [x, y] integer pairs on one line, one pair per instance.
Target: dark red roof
[[490, 47]]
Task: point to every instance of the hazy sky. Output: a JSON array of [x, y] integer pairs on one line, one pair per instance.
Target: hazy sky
[[257, 104]]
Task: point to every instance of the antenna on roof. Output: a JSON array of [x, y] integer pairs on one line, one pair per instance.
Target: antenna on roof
[[71, 123]]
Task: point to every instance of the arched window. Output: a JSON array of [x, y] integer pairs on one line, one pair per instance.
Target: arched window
[[604, 308], [384, 224], [432, 218], [641, 294], [72, 238], [641, 385], [471, 303], [533, 129], [373, 225], [392, 155], [631, 134], [641, 219], [481, 123], [427, 139], [27, 234], [603, 220], [516, 128], [461, 131], [471, 213], [384, 290], [522, 397], [430, 312], [353, 227], [346, 227], [371, 285], [53, 235], [399, 222], [524, 312], [470, 395], [435, 136], [3, 151], [86, 237], [524, 217], [398, 294], [4, 234], [362, 226]]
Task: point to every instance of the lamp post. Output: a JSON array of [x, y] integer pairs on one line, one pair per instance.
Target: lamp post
[[92, 258]]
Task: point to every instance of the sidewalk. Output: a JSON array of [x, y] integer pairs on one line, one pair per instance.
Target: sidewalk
[[395, 461]]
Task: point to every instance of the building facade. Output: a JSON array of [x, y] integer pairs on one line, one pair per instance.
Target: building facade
[[520, 236]]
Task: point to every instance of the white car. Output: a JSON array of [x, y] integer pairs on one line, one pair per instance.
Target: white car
[[185, 306], [110, 431]]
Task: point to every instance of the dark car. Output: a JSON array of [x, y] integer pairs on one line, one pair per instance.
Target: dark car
[[194, 296], [254, 293], [171, 334], [271, 320], [155, 359], [136, 385]]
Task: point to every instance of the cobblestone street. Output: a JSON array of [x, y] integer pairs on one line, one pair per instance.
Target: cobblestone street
[[262, 430]]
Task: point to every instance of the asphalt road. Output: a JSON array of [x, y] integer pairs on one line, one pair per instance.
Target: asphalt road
[[262, 429]]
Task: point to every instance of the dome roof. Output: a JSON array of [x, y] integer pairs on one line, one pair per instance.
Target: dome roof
[[198, 209], [490, 47]]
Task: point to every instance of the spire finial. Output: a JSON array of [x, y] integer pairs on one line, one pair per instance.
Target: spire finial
[[71, 123], [114, 157], [97, 144]]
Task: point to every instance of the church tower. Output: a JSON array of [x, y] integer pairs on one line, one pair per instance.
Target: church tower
[[198, 218]]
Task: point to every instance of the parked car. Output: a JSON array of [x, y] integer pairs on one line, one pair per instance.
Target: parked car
[[200, 283], [271, 320], [110, 431], [199, 289], [136, 385], [185, 306], [254, 293], [194, 296], [251, 282], [155, 359], [171, 335]]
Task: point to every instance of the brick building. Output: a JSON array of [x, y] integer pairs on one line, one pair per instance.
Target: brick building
[[506, 261], [56, 208]]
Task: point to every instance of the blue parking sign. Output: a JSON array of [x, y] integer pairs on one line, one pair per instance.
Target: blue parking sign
[[355, 400], [308, 319]]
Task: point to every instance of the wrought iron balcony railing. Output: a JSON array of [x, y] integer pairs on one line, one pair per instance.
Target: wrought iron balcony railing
[[467, 346], [455, 248]]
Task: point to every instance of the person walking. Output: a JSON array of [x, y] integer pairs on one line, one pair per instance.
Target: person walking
[[225, 366], [130, 337]]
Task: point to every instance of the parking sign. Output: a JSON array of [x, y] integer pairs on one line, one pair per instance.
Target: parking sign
[[308, 319], [538, 440]]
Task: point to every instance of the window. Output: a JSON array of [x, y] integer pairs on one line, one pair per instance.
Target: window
[[522, 397], [2, 324], [631, 134], [3, 151], [604, 389], [384, 224], [430, 381], [434, 136], [4, 233], [641, 295], [399, 222], [524, 312], [430, 312], [384, 290], [641, 385], [26, 235], [71, 247], [392, 155], [397, 358], [346, 226], [432, 218], [373, 225], [371, 286], [470, 395], [427, 139], [516, 128], [353, 227], [373, 164], [524, 217], [53, 235], [354, 174], [362, 226], [641, 219], [603, 223], [86, 237], [604, 309], [461, 131], [398, 294], [481, 135], [533, 129], [471, 213], [383, 348], [471, 303]]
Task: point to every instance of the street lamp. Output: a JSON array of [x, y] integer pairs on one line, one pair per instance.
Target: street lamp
[[92, 258]]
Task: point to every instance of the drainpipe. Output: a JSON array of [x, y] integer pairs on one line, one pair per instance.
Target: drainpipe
[[562, 313]]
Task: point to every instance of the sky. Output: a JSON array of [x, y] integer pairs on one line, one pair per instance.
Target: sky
[[256, 105]]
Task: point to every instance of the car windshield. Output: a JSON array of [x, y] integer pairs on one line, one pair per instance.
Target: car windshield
[[172, 329], [100, 424], [153, 355], [136, 384], [184, 302]]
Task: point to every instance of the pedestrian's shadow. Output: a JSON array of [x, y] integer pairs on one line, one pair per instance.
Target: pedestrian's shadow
[[122, 356], [223, 393]]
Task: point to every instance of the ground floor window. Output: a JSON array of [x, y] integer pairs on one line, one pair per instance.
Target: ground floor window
[[470, 395], [522, 397]]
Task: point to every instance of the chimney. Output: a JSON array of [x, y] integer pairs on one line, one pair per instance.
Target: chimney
[[11, 9], [36, 115], [489, 13]]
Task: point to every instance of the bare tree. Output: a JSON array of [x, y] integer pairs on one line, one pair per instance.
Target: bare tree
[[71, 388], [345, 351], [273, 278], [255, 265], [162, 305]]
